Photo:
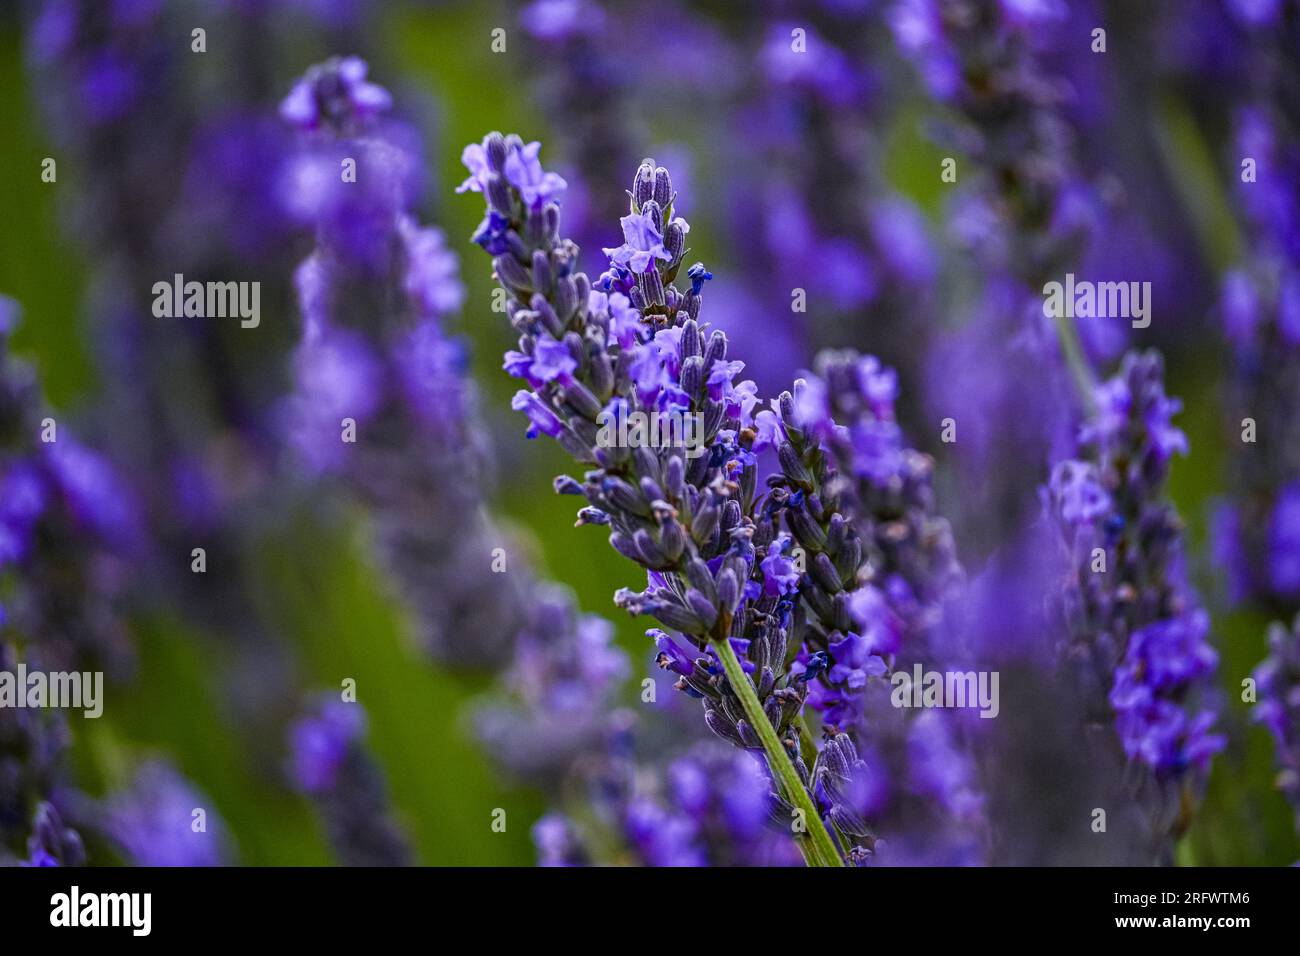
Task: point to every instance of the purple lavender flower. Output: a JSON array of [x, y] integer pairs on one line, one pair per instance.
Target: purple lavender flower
[[717, 564], [154, 822], [557, 694], [376, 356], [1259, 307], [1278, 682], [523, 170], [642, 242], [52, 843], [67, 526], [335, 94], [710, 806], [330, 764], [557, 842], [1136, 638], [689, 532], [33, 776]]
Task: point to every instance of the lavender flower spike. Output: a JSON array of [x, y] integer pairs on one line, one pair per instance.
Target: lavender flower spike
[[1135, 634], [330, 764], [1278, 681], [685, 514]]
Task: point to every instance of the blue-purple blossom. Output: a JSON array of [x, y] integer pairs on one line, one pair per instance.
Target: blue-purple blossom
[[643, 242], [524, 171], [1277, 681], [154, 822], [329, 763], [335, 93]]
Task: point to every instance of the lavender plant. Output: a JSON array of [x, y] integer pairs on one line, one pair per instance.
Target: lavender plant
[[375, 295], [375, 358], [1258, 533], [1278, 681], [722, 560], [331, 766], [67, 528], [1134, 634], [919, 782], [635, 346], [33, 781], [162, 819], [710, 806], [1025, 211], [182, 163]]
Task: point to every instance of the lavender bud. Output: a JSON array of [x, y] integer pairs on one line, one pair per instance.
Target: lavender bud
[[705, 523], [542, 274], [692, 380], [717, 349], [675, 242], [567, 485], [692, 304], [643, 186], [547, 315], [656, 214], [672, 536], [803, 527], [677, 617], [621, 543], [728, 590], [624, 497], [651, 554], [724, 729], [675, 478], [602, 375], [591, 515], [690, 340], [566, 298], [495, 146], [575, 446], [823, 572], [794, 469], [510, 272], [583, 402], [703, 607], [663, 187], [652, 286], [498, 194], [515, 246]]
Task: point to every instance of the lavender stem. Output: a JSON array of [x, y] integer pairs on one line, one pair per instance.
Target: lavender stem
[[822, 851]]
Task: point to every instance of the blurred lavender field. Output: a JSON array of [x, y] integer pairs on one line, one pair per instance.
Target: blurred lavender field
[[341, 613]]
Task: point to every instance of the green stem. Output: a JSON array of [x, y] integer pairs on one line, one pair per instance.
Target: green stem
[[1080, 371], [823, 851]]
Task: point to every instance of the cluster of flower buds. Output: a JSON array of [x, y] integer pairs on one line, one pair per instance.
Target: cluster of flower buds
[[67, 524], [709, 806], [331, 765], [684, 511], [375, 296], [32, 775], [1136, 638], [1278, 681]]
